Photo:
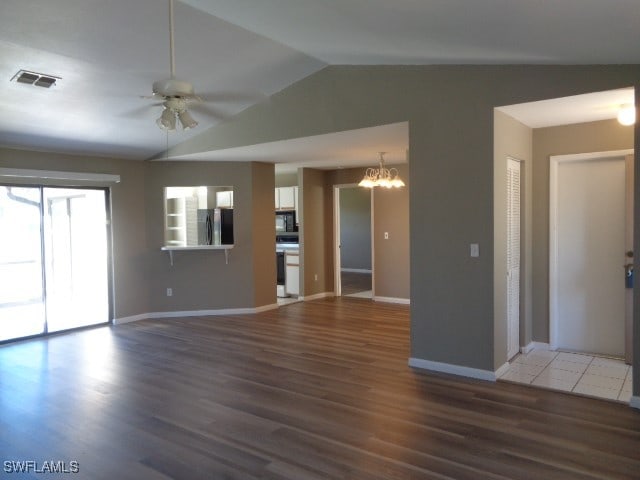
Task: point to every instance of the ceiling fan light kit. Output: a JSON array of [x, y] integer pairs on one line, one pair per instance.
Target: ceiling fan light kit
[[175, 107], [167, 120]]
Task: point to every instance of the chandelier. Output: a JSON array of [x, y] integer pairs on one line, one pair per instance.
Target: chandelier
[[381, 177]]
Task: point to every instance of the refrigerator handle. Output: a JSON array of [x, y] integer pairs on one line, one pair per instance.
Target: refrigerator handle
[[209, 231]]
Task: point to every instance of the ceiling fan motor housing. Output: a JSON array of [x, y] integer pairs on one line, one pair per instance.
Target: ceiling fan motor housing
[[175, 104], [173, 87]]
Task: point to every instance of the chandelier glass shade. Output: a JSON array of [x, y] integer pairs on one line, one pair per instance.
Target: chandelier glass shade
[[627, 114], [381, 176]]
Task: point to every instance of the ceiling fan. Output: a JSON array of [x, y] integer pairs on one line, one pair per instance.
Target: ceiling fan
[[175, 94]]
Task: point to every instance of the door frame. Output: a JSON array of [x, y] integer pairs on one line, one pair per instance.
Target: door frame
[[555, 161], [337, 261]]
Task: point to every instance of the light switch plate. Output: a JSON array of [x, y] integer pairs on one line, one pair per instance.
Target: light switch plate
[[474, 250]]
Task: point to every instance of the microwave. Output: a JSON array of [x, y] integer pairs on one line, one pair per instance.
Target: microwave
[[286, 221]]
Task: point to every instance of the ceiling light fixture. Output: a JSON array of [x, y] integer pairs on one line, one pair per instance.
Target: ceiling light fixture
[[627, 114], [167, 120], [381, 177], [175, 107]]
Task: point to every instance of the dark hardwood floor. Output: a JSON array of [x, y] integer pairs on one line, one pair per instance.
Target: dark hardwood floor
[[354, 282], [315, 390]]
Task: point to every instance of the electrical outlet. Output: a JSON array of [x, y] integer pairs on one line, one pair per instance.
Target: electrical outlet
[[169, 292], [315, 277], [474, 250]]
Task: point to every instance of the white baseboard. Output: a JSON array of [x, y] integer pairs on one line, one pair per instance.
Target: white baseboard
[[634, 402], [356, 270], [459, 370], [195, 313], [535, 346], [316, 296], [502, 370], [132, 318], [403, 301]]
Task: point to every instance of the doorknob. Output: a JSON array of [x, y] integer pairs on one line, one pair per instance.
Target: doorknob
[[629, 254], [628, 275]]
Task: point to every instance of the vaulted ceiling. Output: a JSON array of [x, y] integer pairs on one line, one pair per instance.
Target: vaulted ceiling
[[107, 54]]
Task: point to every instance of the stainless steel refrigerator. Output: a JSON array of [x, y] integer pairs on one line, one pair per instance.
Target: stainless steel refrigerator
[[215, 226]]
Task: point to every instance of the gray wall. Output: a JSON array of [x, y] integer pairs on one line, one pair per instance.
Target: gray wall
[[392, 255], [287, 179], [450, 115], [580, 138], [201, 280], [355, 228], [391, 258], [130, 292], [263, 234], [315, 235]]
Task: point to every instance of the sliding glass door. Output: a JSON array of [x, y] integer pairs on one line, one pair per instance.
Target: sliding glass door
[[22, 311], [54, 260], [76, 259]]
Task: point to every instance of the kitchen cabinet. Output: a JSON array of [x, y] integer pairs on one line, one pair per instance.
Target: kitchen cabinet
[[224, 199], [285, 198], [292, 276]]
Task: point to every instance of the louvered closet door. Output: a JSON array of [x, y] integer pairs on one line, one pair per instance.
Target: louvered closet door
[[513, 257]]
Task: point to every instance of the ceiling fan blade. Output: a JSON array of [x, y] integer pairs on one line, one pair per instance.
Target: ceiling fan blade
[[143, 111]]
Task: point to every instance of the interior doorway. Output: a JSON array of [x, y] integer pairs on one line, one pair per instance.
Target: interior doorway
[[589, 232], [353, 241]]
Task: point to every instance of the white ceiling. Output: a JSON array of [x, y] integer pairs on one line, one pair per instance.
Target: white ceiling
[[589, 107], [444, 31], [108, 53]]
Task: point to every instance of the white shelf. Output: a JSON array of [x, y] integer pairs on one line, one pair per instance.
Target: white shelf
[[170, 249]]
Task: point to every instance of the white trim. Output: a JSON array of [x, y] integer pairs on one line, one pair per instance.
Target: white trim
[[316, 296], [403, 301], [634, 402], [535, 346], [356, 270], [337, 254], [553, 229], [195, 313], [132, 318], [502, 370], [59, 175], [453, 369]]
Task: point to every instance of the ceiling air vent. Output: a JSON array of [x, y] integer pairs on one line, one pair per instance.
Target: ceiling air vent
[[34, 78]]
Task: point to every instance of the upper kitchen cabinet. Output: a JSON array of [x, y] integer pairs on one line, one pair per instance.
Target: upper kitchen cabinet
[[285, 198], [224, 199]]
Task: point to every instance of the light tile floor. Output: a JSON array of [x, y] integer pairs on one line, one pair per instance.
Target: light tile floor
[[572, 372]]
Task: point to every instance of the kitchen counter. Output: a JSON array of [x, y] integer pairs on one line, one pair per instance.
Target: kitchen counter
[[284, 247]]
